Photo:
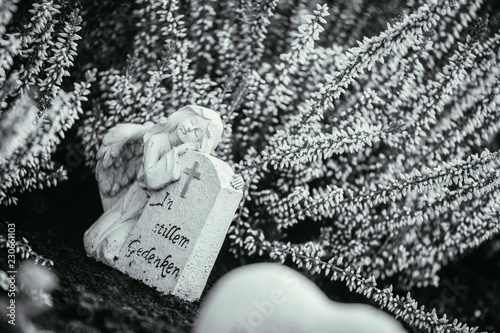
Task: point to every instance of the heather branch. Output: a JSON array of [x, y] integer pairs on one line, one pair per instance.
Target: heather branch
[[439, 92], [7, 7], [64, 50], [307, 149], [35, 41], [444, 175], [390, 223], [300, 204], [396, 38], [404, 307], [467, 229], [24, 250], [9, 48], [301, 47], [254, 30]]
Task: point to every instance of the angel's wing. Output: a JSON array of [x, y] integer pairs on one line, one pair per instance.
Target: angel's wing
[[118, 160]]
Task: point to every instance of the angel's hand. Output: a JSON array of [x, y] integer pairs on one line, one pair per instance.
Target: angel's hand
[[237, 182], [182, 149]]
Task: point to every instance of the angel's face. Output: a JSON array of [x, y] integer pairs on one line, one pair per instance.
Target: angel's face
[[192, 129]]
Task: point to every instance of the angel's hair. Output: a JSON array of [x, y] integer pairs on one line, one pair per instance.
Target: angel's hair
[[214, 130]]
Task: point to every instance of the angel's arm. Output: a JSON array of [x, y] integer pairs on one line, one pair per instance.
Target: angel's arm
[[160, 167]]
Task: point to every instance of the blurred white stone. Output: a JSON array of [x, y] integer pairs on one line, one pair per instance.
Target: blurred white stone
[[272, 298]]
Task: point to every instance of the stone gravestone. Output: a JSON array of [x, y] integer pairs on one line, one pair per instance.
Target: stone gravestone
[[180, 232]]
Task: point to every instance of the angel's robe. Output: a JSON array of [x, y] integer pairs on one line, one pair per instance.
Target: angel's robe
[[104, 239]]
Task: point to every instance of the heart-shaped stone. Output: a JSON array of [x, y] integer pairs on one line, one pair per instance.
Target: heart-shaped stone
[[273, 298]]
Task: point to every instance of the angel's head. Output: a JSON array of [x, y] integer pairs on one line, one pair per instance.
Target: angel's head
[[194, 123]]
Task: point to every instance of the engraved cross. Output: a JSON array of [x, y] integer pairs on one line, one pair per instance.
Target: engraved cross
[[191, 173]]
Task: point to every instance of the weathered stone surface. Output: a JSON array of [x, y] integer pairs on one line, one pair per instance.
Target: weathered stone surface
[[175, 243], [270, 297]]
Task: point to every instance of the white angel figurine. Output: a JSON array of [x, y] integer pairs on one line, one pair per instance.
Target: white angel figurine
[[135, 160]]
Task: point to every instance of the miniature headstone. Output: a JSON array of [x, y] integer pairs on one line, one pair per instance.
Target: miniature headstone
[[167, 204], [270, 297], [179, 234]]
